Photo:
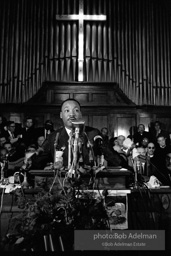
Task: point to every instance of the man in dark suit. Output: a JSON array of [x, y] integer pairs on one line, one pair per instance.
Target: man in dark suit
[[140, 135], [12, 134], [159, 132], [154, 165], [71, 112], [46, 130], [28, 132]]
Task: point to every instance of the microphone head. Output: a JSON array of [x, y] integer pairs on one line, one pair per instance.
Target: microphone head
[[98, 137], [79, 124]]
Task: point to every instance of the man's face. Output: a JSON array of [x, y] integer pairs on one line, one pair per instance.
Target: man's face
[[8, 147], [2, 141], [141, 151], [3, 153], [120, 140], [70, 112], [29, 123], [11, 127], [150, 149], [168, 161], [157, 126], [141, 128], [40, 140], [145, 142], [104, 132], [161, 141]]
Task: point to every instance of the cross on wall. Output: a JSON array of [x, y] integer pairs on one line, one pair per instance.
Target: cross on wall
[[81, 17]]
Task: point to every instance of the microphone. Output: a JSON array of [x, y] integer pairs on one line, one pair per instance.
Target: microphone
[[98, 145], [77, 130], [78, 126]]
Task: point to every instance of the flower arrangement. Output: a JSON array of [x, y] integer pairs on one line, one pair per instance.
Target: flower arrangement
[[54, 214]]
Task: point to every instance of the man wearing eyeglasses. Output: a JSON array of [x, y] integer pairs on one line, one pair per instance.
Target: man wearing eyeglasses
[[152, 162], [150, 149], [11, 134], [154, 167], [162, 148]]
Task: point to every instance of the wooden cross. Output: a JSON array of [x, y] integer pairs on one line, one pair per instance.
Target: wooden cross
[[80, 17]]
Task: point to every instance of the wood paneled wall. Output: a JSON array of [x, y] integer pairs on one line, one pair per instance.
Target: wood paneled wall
[[103, 105]]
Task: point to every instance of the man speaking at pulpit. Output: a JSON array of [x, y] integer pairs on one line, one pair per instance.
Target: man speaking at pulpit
[[92, 143]]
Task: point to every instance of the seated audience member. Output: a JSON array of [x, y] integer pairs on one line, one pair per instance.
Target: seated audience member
[[2, 124], [161, 150], [120, 140], [11, 134], [157, 132], [140, 135], [8, 146], [119, 148], [104, 134], [28, 132], [113, 142], [168, 163], [144, 143], [128, 146], [152, 160], [2, 140], [70, 112], [3, 154], [151, 150], [14, 153], [152, 166], [46, 130], [40, 141], [164, 174]]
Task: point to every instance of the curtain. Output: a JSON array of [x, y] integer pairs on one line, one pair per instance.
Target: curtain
[[132, 47]]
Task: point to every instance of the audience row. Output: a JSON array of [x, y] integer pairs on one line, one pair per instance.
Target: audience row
[[144, 151]]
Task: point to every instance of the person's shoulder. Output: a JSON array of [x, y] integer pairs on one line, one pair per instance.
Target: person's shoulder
[[53, 134], [91, 132], [91, 129], [59, 129]]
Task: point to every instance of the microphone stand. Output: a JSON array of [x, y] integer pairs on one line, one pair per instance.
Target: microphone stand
[[69, 150], [136, 184], [75, 151], [73, 167], [2, 171]]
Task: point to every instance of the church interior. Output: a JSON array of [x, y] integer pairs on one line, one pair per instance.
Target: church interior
[[113, 59]]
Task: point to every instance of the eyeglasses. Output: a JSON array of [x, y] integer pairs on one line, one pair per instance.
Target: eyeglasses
[[151, 147]]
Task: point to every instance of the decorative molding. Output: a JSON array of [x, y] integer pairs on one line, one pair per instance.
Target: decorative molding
[[88, 94]]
